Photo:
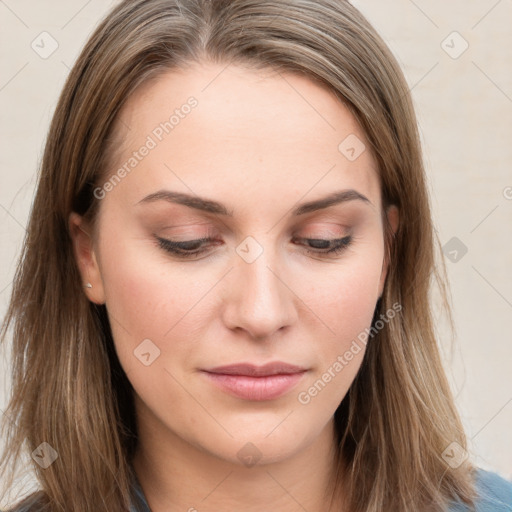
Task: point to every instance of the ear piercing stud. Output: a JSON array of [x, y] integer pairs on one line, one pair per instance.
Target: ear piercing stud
[[88, 285]]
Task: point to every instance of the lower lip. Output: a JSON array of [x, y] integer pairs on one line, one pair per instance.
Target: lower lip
[[256, 388]]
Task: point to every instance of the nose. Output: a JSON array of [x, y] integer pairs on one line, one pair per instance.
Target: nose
[[259, 299]]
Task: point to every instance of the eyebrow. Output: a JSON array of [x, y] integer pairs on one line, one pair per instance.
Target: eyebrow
[[210, 206]]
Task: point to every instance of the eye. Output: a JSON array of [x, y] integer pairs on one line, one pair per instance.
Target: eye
[[185, 249], [193, 248], [327, 246]]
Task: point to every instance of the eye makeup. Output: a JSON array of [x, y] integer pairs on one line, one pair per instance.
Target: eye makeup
[[193, 248]]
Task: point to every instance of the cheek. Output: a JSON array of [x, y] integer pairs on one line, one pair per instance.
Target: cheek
[[345, 301], [147, 298], [345, 297], [150, 299]]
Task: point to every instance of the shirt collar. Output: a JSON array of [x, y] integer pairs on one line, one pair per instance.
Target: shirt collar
[[138, 503]]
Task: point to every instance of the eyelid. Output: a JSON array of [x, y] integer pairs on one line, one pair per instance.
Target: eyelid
[[176, 249], [313, 230], [189, 234]]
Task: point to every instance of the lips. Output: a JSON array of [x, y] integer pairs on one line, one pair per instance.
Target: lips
[[250, 370], [256, 383]]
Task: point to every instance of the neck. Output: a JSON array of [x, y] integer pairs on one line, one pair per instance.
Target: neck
[[176, 475]]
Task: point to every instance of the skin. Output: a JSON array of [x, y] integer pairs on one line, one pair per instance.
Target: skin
[[260, 143]]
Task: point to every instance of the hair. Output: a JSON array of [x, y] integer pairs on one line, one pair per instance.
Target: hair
[[68, 388]]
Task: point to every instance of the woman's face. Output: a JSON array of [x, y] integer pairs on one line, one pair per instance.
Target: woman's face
[[252, 152]]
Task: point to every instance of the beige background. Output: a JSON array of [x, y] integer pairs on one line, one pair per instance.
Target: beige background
[[464, 105]]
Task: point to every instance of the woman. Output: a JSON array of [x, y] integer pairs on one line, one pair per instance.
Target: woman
[[222, 301]]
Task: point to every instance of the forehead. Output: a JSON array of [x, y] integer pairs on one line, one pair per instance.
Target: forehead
[[249, 131]]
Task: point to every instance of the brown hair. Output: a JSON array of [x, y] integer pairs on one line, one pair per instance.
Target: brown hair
[[68, 387]]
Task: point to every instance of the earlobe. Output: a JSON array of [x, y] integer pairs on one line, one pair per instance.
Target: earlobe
[[86, 260], [391, 223]]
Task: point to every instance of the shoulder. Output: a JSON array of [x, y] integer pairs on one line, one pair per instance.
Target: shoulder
[[494, 493]]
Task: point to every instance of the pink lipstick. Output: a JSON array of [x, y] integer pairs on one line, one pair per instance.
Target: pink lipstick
[[257, 383]]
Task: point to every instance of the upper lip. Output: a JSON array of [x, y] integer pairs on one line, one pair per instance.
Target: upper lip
[[251, 370]]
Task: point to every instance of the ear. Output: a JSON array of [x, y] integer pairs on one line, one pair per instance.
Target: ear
[[85, 257], [390, 223]]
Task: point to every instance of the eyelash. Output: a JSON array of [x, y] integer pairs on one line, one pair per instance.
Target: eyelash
[[179, 248]]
